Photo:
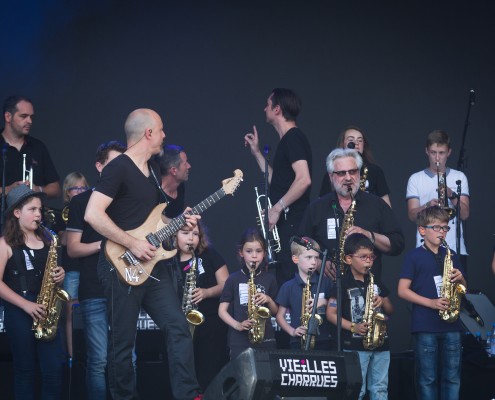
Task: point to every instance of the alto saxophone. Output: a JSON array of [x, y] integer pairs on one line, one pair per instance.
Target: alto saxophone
[[190, 309], [377, 328], [453, 292], [272, 238], [50, 295], [257, 313], [347, 223], [305, 315]]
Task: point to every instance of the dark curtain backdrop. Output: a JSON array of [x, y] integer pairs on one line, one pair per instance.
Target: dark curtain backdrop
[[397, 70]]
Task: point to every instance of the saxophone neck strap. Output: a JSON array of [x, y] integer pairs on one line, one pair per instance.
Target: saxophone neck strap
[[439, 258]]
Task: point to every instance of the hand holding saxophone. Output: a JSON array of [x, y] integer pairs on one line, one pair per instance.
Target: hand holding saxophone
[[58, 274], [34, 310], [456, 276]]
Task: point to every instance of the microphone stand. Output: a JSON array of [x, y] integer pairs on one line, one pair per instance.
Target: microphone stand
[[313, 329], [462, 161], [4, 160], [338, 278], [458, 220]]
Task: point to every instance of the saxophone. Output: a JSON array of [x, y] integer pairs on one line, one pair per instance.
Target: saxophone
[[453, 292], [305, 315], [364, 178], [50, 295], [190, 310], [375, 336], [257, 313], [347, 223]]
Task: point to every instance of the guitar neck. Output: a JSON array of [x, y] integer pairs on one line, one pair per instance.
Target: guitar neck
[[178, 222]]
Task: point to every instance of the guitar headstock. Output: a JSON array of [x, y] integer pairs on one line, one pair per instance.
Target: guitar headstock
[[231, 184]]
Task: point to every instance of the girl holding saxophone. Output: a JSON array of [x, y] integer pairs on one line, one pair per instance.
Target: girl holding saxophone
[[250, 289], [200, 295], [23, 257]]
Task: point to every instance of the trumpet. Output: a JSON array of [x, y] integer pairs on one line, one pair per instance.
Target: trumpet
[[27, 175], [443, 200], [272, 238]]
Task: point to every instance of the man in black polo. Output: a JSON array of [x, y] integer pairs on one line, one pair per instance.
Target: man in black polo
[[22, 150]]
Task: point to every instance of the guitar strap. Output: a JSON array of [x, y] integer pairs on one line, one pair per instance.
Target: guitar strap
[[158, 185]]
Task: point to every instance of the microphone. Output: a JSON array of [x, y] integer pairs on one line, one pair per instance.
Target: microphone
[[472, 97], [301, 241], [351, 145]]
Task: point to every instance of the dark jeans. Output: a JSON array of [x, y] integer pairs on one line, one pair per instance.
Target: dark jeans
[[160, 301], [286, 229], [27, 351], [438, 365]]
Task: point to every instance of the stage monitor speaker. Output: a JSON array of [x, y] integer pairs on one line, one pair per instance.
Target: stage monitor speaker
[[271, 374], [484, 308]]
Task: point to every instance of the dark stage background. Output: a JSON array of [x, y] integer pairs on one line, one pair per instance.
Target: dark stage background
[[397, 70]]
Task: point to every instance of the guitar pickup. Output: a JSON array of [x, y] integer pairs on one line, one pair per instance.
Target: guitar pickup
[[152, 239]]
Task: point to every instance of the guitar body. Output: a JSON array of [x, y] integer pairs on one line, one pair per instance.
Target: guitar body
[[135, 272], [135, 275]]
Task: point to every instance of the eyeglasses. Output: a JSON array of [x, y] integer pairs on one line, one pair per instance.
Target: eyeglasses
[[351, 172], [438, 228], [78, 188], [371, 257]]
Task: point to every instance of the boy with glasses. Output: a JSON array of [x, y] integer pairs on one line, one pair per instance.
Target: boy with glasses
[[359, 258], [438, 346]]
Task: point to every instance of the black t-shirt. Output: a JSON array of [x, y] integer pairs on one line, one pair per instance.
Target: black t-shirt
[[37, 157], [176, 206], [293, 146], [134, 195], [208, 262], [89, 285], [371, 213], [33, 268], [354, 294], [375, 182]]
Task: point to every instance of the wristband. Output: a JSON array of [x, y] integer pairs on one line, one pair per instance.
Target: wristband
[[281, 202], [372, 238]]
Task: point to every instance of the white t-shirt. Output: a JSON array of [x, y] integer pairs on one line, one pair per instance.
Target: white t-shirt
[[423, 186]]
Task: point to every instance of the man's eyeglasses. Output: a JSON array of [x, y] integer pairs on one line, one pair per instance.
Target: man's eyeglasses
[[351, 172], [371, 257], [79, 188], [438, 228]]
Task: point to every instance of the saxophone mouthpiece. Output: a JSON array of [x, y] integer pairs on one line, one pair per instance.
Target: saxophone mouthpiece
[[190, 248]]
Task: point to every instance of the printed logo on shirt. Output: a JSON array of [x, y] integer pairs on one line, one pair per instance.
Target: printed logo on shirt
[[29, 265], [201, 269], [331, 234], [438, 284], [244, 292]]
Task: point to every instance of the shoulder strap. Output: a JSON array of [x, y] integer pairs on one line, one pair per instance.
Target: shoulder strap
[[18, 256], [158, 185]]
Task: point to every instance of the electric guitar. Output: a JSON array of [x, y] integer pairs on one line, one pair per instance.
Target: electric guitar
[[134, 271]]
